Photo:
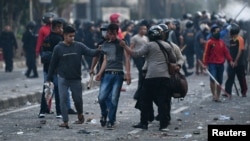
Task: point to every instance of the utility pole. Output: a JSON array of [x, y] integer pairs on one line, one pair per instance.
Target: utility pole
[[31, 10]]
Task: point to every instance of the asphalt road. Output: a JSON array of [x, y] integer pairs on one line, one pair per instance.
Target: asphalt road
[[190, 118]]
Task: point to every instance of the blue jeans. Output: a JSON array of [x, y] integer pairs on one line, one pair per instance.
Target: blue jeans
[[109, 94], [217, 71]]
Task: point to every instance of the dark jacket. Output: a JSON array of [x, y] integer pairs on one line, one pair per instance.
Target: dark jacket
[[29, 42], [67, 60], [48, 46], [8, 40]]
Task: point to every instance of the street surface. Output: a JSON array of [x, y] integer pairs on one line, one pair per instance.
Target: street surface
[[190, 116]]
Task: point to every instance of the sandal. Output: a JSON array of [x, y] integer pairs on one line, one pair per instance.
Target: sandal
[[217, 100], [64, 125], [80, 120]]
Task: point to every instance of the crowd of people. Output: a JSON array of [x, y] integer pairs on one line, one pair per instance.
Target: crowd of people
[[199, 43]]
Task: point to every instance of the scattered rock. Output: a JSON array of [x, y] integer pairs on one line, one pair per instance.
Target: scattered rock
[[196, 132], [83, 132], [89, 120], [42, 121]]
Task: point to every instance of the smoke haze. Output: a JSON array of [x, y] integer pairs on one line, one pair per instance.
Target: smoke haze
[[232, 9]]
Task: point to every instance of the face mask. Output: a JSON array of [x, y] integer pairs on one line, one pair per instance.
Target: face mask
[[216, 35], [104, 33]]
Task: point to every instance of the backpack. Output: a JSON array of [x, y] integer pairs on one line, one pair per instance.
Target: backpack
[[178, 81]]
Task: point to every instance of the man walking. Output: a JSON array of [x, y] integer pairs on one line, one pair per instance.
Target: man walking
[[111, 75], [66, 59]]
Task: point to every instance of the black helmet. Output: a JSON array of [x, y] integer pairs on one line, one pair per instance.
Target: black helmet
[[155, 32], [47, 17], [63, 21], [189, 24], [164, 27], [77, 23], [56, 21], [104, 26], [235, 29], [31, 24]]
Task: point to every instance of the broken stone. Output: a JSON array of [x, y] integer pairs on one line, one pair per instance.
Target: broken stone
[[179, 119], [176, 128], [89, 119], [83, 132], [43, 122], [196, 132]]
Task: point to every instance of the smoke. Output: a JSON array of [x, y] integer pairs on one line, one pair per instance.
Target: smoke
[[233, 8]]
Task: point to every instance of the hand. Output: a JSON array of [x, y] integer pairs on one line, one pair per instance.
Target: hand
[[204, 67], [122, 43], [98, 77], [233, 64], [177, 68], [128, 78], [91, 71]]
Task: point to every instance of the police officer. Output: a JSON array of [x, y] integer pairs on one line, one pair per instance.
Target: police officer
[[9, 44], [156, 83], [29, 47]]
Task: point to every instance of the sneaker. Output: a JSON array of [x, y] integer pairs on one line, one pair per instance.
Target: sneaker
[[58, 116], [103, 121], [164, 129], [72, 112], [110, 126], [140, 125], [41, 115]]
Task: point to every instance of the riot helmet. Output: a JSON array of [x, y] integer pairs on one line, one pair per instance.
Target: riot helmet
[[155, 33], [165, 30], [31, 25], [189, 24], [104, 28], [47, 17], [164, 27], [235, 29]]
